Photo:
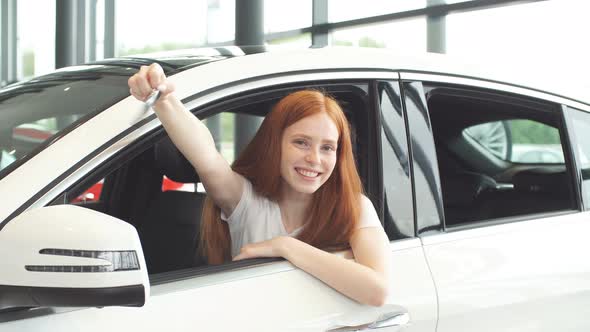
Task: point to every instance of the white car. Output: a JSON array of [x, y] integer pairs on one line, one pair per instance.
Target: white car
[[479, 242]]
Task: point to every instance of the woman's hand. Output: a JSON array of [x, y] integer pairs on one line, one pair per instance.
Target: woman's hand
[[269, 248], [148, 79]]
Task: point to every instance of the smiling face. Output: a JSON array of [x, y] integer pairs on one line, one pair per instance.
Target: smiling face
[[308, 153]]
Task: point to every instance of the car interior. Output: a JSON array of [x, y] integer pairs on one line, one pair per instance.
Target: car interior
[[168, 221], [478, 185]]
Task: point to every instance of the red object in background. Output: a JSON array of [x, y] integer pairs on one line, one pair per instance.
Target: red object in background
[[93, 193], [168, 184], [27, 134], [90, 195]]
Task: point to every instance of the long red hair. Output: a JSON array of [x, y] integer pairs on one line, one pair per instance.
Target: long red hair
[[335, 207]]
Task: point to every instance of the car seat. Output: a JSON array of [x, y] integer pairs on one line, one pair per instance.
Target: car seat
[[169, 231], [543, 189], [464, 196]]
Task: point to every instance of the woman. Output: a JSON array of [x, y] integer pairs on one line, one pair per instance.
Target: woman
[[293, 193]]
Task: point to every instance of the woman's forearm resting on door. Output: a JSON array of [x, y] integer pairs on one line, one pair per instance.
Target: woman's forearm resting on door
[[366, 280]]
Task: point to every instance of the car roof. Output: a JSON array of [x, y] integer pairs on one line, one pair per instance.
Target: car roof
[[279, 59], [247, 61]]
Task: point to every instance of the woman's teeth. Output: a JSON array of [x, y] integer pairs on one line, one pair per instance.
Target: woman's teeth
[[307, 173]]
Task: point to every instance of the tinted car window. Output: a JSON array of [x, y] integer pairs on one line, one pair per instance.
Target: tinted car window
[[493, 155], [519, 141], [34, 113]]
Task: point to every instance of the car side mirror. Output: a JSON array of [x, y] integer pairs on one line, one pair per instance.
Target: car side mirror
[[69, 256]]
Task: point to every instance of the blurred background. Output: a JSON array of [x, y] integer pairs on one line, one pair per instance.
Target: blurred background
[[547, 36]]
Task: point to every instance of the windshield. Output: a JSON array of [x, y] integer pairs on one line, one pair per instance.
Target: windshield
[[34, 113]]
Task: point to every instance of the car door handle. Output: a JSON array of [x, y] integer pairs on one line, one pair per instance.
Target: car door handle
[[398, 317]]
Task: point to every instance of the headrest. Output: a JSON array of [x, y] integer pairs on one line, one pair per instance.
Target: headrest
[[173, 164], [462, 189]]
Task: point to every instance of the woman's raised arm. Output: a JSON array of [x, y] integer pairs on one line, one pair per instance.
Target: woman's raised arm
[[190, 136]]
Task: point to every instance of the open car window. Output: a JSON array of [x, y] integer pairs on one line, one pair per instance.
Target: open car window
[[155, 189]]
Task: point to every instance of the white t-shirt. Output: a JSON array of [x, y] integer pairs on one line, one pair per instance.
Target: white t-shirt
[[257, 218]]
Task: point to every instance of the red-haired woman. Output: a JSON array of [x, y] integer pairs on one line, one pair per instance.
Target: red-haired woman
[[293, 193]]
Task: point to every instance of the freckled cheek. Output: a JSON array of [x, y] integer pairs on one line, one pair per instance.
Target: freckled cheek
[[330, 163], [286, 153], [295, 155]]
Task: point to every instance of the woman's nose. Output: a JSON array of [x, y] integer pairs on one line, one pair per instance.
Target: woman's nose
[[313, 156]]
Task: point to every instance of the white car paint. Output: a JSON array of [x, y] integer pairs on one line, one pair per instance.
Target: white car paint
[[66, 227], [263, 298], [510, 277]]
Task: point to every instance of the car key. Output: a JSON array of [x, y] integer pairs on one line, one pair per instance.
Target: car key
[[151, 99]]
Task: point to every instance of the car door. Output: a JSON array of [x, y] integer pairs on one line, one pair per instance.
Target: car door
[[266, 294], [511, 256]]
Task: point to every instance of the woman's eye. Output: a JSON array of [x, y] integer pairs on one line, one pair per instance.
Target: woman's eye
[[328, 148], [300, 142]]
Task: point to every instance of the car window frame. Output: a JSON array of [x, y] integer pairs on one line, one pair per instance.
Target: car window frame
[[567, 110], [387, 86], [509, 89]]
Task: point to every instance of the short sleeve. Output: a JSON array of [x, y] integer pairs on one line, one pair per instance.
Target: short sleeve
[[368, 217], [240, 209]]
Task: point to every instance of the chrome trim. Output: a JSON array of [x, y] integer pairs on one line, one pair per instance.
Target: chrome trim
[[395, 316], [210, 97], [504, 186], [505, 87]]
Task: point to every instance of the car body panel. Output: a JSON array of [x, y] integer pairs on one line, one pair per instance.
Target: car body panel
[[290, 300], [519, 276]]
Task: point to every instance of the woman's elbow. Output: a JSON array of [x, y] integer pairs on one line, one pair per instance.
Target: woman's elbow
[[377, 300], [378, 296]]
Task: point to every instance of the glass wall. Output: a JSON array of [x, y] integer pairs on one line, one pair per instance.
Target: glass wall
[[298, 41], [406, 36], [36, 37], [541, 39], [541, 36], [151, 26], [221, 21], [344, 10], [287, 15]]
